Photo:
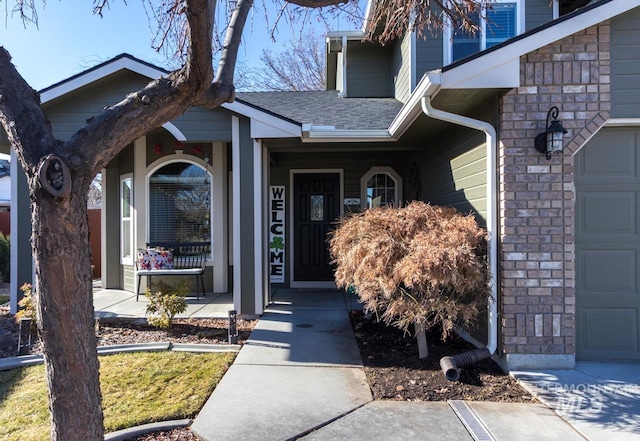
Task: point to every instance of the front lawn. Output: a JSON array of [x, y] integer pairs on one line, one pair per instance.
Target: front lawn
[[137, 388]]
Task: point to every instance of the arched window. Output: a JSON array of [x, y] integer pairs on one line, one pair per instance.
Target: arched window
[[180, 204], [381, 186]]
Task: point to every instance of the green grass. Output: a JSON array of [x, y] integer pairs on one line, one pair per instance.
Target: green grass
[[136, 389], [4, 298]]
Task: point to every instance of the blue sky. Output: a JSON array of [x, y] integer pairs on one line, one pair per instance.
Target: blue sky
[[70, 39]]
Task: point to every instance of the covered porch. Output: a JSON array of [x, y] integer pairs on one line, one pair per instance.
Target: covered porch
[[112, 303]]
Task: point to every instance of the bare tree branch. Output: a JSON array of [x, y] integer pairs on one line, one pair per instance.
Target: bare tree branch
[[222, 90], [21, 116]]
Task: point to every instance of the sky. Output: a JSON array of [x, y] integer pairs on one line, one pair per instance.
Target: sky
[[70, 39]]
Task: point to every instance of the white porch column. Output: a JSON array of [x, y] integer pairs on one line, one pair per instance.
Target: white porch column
[[140, 199], [220, 218]]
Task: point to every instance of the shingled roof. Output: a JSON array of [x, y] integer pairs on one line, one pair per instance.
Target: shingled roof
[[326, 108]]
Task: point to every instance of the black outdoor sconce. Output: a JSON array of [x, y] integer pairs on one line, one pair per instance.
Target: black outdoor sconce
[[549, 142]]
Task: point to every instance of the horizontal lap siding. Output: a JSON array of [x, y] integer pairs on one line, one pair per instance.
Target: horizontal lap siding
[[625, 65], [429, 52], [70, 113], [200, 124], [457, 177], [537, 12], [369, 70], [402, 68]]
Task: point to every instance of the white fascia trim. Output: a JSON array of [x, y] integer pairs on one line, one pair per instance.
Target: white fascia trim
[[268, 122], [622, 122], [350, 35], [176, 132], [428, 85], [312, 133], [99, 73], [468, 74]]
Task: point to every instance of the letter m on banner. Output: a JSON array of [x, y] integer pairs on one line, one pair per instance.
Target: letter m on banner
[[276, 234]]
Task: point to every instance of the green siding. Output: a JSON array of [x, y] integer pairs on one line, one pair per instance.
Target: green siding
[[69, 113], [369, 70], [402, 68], [429, 52], [625, 65], [200, 124], [457, 176], [537, 12]]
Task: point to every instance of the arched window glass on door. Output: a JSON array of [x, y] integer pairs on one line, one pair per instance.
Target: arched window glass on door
[[180, 204]]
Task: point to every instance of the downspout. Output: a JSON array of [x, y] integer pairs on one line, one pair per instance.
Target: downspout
[[451, 365]]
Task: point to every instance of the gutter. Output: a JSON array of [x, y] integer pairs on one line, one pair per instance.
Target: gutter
[[451, 365]]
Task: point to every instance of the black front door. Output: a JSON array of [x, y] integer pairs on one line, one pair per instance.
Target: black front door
[[316, 200]]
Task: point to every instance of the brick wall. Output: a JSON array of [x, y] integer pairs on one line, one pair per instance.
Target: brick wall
[[537, 299]]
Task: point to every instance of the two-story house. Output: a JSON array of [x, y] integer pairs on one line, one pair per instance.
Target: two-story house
[[449, 118]]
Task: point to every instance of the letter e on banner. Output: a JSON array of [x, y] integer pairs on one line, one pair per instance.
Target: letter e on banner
[[276, 234]]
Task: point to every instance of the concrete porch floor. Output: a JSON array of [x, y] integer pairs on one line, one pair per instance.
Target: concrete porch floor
[[119, 303]]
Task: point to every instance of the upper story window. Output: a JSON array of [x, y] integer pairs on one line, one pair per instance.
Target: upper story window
[[503, 20]]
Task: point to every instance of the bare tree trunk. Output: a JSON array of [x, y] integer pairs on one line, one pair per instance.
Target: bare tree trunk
[[65, 314]]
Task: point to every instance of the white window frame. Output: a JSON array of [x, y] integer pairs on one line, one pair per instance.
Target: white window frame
[[391, 173], [124, 258], [448, 34], [181, 158]]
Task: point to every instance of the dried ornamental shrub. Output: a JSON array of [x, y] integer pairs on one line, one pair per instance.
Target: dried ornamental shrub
[[421, 264]]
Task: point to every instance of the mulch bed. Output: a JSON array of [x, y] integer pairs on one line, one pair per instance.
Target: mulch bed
[[395, 372]]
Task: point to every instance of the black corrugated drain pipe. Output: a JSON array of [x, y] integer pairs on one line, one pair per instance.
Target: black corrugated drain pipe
[[452, 364]]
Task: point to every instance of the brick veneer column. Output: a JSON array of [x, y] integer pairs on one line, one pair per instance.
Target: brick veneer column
[[537, 298]]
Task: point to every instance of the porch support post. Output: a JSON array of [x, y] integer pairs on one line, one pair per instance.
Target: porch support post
[[111, 266], [258, 224], [21, 260], [220, 218], [244, 270], [140, 200]]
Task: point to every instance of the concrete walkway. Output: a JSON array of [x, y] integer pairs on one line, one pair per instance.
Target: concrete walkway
[[601, 400], [300, 377]]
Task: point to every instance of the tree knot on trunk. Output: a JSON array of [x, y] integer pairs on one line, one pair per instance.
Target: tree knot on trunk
[[55, 176]]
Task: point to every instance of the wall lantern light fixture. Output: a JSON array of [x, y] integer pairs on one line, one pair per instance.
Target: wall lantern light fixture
[[549, 142]]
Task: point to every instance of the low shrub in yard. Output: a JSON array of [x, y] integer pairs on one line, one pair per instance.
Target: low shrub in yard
[[165, 301], [420, 264]]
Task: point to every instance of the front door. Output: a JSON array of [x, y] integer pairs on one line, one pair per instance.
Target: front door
[[316, 205]]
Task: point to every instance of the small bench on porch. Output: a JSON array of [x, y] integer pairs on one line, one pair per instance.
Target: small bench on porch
[[173, 259]]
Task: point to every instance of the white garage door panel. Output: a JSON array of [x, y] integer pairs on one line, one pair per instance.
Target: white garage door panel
[[608, 246]]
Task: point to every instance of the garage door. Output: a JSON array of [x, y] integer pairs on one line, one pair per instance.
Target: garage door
[[607, 175]]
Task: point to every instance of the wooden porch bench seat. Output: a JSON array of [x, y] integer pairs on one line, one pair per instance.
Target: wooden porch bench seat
[[187, 259]]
